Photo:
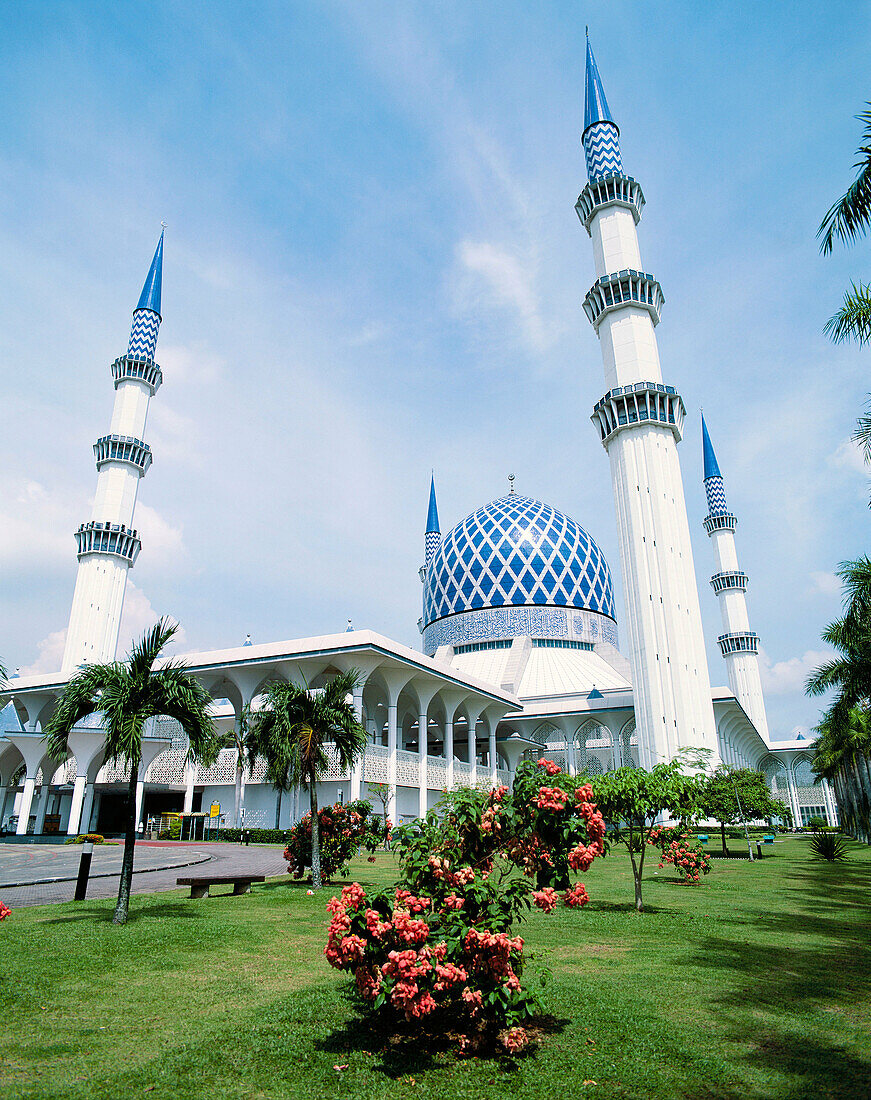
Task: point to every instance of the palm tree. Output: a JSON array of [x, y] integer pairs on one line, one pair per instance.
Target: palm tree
[[297, 728], [841, 755], [128, 695], [238, 739]]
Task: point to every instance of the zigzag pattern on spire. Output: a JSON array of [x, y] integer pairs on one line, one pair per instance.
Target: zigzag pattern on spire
[[431, 544], [602, 150], [716, 494], [143, 335]]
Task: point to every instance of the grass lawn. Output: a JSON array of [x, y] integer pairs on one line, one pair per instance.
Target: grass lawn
[[755, 984]]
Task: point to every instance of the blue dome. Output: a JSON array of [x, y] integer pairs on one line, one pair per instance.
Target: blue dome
[[516, 552]]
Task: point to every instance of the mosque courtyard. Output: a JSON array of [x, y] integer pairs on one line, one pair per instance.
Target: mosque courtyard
[[756, 984]]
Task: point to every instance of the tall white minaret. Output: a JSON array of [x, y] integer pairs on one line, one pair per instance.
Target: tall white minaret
[[431, 540], [738, 643], [108, 544], [640, 421]]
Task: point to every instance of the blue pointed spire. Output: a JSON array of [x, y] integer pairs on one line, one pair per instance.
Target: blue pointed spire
[[596, 107], [712, 468], [150, 297], [601, 137], [432, 518]]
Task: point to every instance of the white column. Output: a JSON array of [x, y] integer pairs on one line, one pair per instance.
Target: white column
[[42, 807], [449, 749], [87, 808], [793, 797], [189, 776], [140, 788], [422, 750], [473, 749], [79, 785], [24, 806], [357, 769], [491, 752], [391, 760], [569, 735]]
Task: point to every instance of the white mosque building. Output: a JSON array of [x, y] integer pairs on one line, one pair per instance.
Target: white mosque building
[[520, 644]]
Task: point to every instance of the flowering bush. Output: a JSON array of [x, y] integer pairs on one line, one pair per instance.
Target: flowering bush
[[4, 911], [343, 830], [685, 853], [441, 946]]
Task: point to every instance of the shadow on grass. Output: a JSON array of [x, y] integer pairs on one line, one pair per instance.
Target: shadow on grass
[[819, 961], [408, 1048], [104, 913]]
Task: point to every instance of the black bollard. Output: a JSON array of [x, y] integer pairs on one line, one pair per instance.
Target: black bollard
[[758, 850], [247, 835], [84, 870]]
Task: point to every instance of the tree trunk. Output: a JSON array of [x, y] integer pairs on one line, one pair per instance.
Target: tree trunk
[[316, 843], [637, 869], [278, 810], [123, 905], [237, 805], [723, 837]]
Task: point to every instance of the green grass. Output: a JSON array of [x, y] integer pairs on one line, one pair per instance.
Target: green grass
[[754, 985]]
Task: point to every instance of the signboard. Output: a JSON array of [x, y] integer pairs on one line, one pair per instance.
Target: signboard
[[215, 810]]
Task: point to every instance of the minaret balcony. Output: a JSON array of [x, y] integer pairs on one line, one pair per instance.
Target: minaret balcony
[[641, 403], [613, 190], [743, 642], [123, 448], [623, 288], [137, 370], [96, 537], [723, 521], [733, 581]]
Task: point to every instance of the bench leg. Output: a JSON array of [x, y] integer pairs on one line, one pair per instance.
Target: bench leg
[[241, 888], [199, 891]]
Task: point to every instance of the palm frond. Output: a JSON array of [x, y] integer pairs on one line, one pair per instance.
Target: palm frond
[[82, 695], [149, 647], [850, 216], [853, 319], [177, 694]]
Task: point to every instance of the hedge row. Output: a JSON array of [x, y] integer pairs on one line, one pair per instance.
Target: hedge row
[[256, 836]]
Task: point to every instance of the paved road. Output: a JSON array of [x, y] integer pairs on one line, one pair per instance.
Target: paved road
[[164, 862]]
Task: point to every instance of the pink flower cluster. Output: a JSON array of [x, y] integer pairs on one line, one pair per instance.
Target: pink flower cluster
[[514, 1039], [453, 901], [690, 860], [576, 897], [545, 899], [4, 911], [490, 955], [406, 900], [551, 798], [549, 766]]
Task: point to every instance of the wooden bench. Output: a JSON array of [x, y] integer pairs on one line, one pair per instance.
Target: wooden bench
[[200, 885]]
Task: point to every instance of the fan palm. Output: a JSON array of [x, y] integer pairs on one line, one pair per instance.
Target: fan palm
[[128, 695], [297, 728]]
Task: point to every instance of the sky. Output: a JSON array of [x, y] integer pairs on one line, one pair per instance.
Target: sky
[[373, 270]]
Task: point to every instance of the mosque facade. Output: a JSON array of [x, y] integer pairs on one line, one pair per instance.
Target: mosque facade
[[521, 652]]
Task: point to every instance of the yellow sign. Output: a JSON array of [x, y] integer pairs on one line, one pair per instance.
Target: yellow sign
[[215, 811]]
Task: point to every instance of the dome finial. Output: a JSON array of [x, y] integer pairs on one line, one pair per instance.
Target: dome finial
[[511, 489]]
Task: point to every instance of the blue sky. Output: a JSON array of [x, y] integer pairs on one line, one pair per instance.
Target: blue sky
[[373, 268]]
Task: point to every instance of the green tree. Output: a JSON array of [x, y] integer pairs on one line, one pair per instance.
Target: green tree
[[296, 730], [843, 749], [239, 738], [631, 800], [734, 795], [127, 695]]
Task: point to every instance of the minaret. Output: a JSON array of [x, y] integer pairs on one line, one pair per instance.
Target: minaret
[[108, 544], [738, 643], [640, 422], [433, 536]]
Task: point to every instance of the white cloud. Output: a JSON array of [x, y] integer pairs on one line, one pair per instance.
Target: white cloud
[[138, 616], [825, 583], [37, 528], [191, 364], [174, 437], [163, 541], [789, 676], [507, 282], [850, 456]]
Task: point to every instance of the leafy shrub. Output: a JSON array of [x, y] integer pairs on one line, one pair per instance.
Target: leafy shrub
[[343, 830], [255, 836], [439, 950], [683, 851], [815, 823], [829, 846], [171, 832], [94, 838]]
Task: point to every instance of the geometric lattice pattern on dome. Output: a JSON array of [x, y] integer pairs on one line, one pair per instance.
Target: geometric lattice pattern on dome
[[517, 552]]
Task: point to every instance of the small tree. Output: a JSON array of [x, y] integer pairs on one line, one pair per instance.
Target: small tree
[[382, 792], [128, 695], [632, 799], [294, 731], [735, 795]]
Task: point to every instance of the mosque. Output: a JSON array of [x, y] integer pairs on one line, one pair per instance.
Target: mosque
[[520, 645]]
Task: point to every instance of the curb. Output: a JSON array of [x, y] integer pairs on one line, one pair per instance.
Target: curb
[[101, 874]]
